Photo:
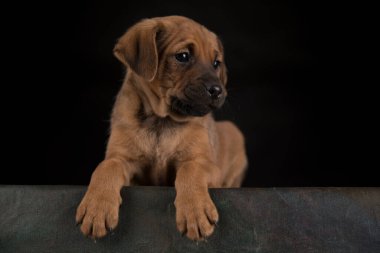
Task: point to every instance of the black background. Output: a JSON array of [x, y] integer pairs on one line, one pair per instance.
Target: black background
[[295, 87]]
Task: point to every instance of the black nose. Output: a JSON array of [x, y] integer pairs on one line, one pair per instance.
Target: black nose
[[215, 91]]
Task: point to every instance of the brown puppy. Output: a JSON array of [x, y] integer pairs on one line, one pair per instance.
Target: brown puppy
[[162, 132]]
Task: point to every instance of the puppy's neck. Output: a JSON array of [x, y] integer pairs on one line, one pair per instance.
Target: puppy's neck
[[153, 123]]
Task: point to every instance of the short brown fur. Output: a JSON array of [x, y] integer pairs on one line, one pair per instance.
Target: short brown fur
[[149, 143]]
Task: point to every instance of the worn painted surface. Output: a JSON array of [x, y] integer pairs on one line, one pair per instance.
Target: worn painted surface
[[41, 219]]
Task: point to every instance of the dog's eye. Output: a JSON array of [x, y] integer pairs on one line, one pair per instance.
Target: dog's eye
[[183, 57], [216, 64]]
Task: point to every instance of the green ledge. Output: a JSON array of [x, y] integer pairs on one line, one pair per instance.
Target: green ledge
[[41, 219]]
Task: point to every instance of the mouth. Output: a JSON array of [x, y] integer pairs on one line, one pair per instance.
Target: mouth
[[186, 108]]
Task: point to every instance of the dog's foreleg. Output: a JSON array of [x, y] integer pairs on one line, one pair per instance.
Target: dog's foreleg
[[196, 213]]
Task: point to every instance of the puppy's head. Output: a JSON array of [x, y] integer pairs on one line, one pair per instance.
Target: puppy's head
[[180, 61]]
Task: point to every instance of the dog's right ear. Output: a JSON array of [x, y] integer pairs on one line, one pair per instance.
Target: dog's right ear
[[137, 48]]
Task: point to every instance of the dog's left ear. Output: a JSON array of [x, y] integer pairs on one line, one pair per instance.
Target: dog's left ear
[[223, 70], [137, 48]]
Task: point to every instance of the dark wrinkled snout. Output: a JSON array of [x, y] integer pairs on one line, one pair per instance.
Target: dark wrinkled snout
[[200, 96]]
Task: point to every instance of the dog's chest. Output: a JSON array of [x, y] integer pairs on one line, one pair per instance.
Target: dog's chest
[[162, 167], [159, 143], [158, 162]]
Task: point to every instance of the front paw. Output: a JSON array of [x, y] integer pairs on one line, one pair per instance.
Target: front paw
[[195, 216], [98, 211]]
